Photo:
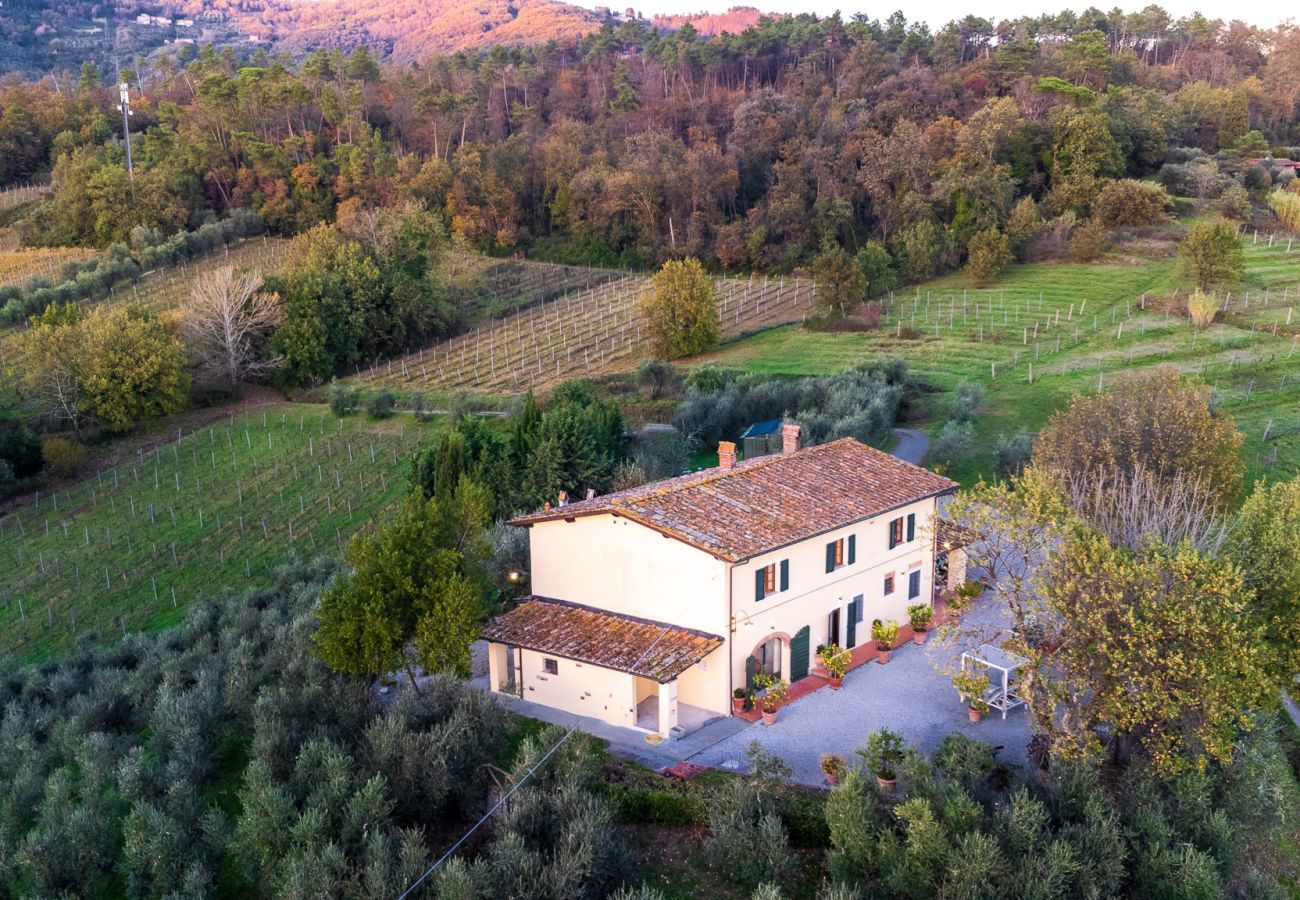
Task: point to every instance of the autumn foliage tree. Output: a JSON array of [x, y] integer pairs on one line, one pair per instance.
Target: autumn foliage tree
[[680, 309], [1156, 421], [989, 253], [1211, 255], [226, 324]]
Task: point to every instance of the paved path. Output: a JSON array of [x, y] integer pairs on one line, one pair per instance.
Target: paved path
[[912, 445]]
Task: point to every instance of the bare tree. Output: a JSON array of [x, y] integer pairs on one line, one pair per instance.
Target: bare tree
[[1130, 508], [224, 323]]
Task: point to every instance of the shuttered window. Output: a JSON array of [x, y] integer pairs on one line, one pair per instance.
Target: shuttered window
[[911, 526], [914, 585], [835, 555], [895, 532], [785, 574], [770, 579], [853, 548]]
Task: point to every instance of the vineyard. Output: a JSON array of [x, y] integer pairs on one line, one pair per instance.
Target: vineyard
[[132, 546], [1045, 332], [17, 266], [20, 194], [597, 328]]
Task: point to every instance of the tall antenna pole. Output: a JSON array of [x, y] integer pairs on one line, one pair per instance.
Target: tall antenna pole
[[124, 90]]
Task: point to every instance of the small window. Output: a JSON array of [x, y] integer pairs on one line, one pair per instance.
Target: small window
[[914, 585], [769, 579], [857, 608], [550, 667], [889, 583], [839, 553], [895, 532]]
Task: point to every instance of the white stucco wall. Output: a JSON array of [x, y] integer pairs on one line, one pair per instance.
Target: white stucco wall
[[579, 688], [613, 563], [705, 684], [813, 592]]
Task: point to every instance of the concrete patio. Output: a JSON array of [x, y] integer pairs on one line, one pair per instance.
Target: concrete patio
[[909, 695]]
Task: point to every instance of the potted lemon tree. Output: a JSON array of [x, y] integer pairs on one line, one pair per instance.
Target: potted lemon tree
[[882, 754], [775, 691], [971, 689], [922, 614], [884, 634], [835, 659]]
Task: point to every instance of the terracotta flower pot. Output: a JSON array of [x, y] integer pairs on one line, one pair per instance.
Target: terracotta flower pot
[[919, 637], [737, 705], [831, 778], [769, 717], [974, 714], [882, 657], [837, 681], [886, 784]]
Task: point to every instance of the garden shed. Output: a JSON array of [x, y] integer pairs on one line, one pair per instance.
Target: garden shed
[[761, 439]]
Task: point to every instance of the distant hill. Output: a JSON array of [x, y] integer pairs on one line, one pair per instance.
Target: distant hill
[[411, 29], [733, 21]]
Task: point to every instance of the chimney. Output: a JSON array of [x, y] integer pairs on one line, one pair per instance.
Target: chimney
[[563, 499], [791, 438], [726, 456], [591, 493]]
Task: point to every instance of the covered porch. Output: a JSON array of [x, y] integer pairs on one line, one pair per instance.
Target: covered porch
[[634, 673]]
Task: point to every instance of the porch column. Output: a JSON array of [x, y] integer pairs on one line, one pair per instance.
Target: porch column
[[786, 669], [498, 667], [667, 707]]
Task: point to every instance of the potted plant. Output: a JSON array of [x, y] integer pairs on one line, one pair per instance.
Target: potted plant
[[882, 754], [922, 614], [965, 594], [775, 691], [884, 634], [832, 767], [738, 698], [836, 660], [971, 689]]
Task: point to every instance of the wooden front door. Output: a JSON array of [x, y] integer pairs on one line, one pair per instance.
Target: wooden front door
[[833, 627]]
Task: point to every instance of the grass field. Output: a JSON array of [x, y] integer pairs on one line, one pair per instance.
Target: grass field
[[1041, 333], [130, 547]]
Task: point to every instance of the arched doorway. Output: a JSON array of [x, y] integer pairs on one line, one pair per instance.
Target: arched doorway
[[770, 656]]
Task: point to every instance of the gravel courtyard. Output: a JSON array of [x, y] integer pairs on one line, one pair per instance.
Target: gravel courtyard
[[910, 695]]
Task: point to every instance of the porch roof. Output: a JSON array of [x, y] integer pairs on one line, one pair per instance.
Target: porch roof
[[657, 650]]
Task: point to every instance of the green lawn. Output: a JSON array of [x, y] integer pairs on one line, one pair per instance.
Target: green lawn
[[1090, 328], [130, 547]]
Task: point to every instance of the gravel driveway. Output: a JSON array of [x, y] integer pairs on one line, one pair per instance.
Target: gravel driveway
[[909, 695]]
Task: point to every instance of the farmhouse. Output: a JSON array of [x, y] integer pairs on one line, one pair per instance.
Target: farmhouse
[[652, 605]]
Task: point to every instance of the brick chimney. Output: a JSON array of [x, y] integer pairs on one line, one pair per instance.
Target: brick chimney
[[726, 456], [591, 493], [563, 499], [791, 438]]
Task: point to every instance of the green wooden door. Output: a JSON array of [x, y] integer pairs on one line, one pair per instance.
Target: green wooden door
[[799, 655], [851, 632]]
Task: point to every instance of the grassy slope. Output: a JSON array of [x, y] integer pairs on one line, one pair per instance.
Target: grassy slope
[[102, 574], [1230, 355]]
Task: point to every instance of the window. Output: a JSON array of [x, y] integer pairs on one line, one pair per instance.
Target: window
[[857, 605], [889, 584], [550, 667], [914, 584], [772, 578], [841, 553], [911, 526], [895, 532]]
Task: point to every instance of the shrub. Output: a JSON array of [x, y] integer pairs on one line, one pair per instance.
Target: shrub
[[882, 753], [681, 310], [1235, 203], [1011, 453], [381, 405], [989, 252], [660, 454], [658, 377], [1286, 206], [877, 267], [1129, 203], [1202, 308], [965, 402], [954, 441], [63, 456], [8, 481], [343, 399], [1088, 241]]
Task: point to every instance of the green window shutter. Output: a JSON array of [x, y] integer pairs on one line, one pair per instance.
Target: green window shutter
[[751, 669], [851, 633], [785, 574], [799, 655], [758, 585], [892, 543], [911, 526], [853, 548], [830, 557]]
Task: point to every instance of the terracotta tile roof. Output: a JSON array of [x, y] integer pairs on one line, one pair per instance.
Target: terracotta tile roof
[[624, 643], [769, 502], [948, 535]]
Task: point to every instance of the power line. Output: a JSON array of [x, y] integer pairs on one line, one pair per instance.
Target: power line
[[517, 785]]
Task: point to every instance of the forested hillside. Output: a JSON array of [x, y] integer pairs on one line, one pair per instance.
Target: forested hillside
[[756, 150]]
